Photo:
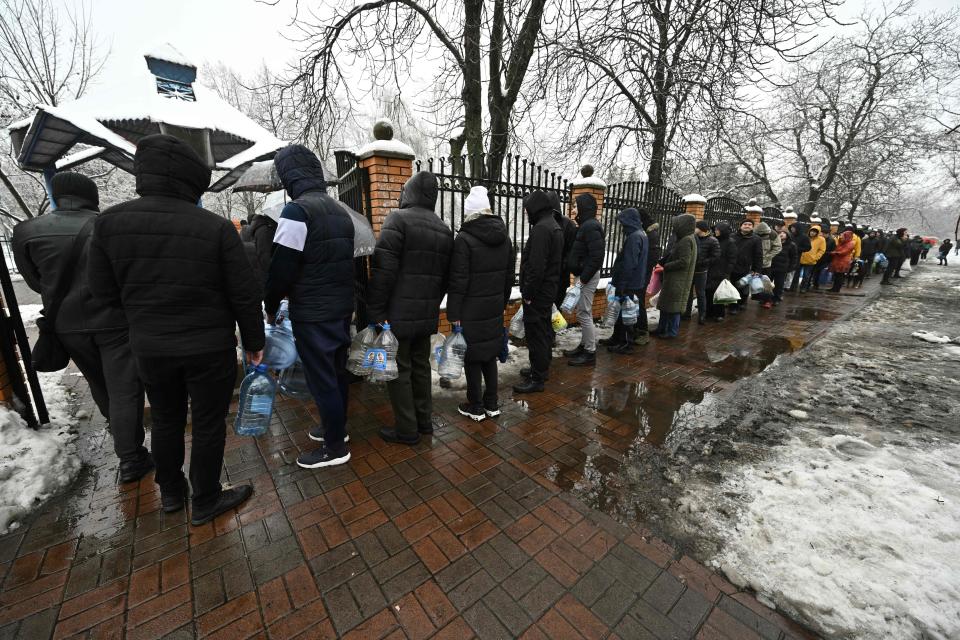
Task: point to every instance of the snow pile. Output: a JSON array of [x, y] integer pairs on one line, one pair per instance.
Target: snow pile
[[799, 414], [35, 465], [930, 336], [29, 313], [859, 559]]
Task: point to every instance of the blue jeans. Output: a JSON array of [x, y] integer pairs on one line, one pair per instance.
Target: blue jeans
[[669, 325]]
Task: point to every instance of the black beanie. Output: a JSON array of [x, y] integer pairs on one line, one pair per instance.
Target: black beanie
[[70, 183], [703, 225], [645, 218]]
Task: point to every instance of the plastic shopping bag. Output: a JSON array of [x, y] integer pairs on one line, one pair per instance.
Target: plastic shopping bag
[[726, 293], [767, 284], [557, 320], [756, 285], [516, 324], [656, 281]]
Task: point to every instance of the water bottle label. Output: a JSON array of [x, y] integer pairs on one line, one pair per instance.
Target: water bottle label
[[377, 359], [438, 354]]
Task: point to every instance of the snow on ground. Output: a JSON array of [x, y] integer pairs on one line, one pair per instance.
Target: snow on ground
[[34, 465], [930, 336], [29, 314], [847, 518]]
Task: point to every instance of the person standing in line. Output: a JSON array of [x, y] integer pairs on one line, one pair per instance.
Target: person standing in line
[[184, 282], [830, 243], [95, 335], [569, 229], [411, 265], [539, 278], [584, 261], [771, 245], [313, 267], [916, 249], [798, 233], [781, 265], [945, 247], [868, 251], [720, 269], [629, 277], [678, 269], [810, 257], [841, 258], [708, 251], [896, 252], [749, 260], [481, 277]]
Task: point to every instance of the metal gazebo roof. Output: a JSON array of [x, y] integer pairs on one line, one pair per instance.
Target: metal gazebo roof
[[165, 98]]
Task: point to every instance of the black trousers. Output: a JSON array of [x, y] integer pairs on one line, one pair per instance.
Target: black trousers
[[480, 374], [411, 394], [714, 310], [539, 342], [837, 281], [207, 381], [105, 360], [624, 334], [779, 277], [699, 288], [323, 349], [893, 268], [815, 276]]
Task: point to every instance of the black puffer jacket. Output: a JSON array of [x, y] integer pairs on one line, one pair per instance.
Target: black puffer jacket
[[722, 267], [313, 260], [541, 257], [788, 257], [652, 228], [869, 248], [178, 271], [411, 263], [586, 258], [569, 230], [749, 254], [708, 250], [798, 233], [42, 246], [481, 276], [262, 230]]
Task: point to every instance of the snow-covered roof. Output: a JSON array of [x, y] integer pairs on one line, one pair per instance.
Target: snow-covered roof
[[695, 198], [592, 181], [754, 209], [169, 53], [388, 148]]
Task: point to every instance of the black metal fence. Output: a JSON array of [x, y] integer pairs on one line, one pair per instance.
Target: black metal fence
[[662, 203], [456, 175], [6, 246], [353, 189], [723, 209]]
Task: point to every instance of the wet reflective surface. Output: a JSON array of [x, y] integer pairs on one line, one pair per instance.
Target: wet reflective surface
[[810, 313]]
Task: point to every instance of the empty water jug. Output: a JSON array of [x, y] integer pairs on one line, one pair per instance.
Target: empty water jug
[[629, 311], [280, 351], [382, 356], [357, 360], [454, 351], [257, 393], [612, 313], [293, 382], [571, 299], [283, 316], [436, 350]]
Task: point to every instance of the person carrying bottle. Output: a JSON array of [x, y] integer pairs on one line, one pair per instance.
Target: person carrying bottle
[[569, 230], [708, 251], [411, 265], [94, 334], [312, 265], [678, 267], [585, 261], [184, 282], [720, 269], [629, 276], [539, 278], [481, 277], [771, 245], [748, 260]]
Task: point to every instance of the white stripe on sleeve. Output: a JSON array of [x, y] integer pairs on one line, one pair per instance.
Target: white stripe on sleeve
[[291, 233]]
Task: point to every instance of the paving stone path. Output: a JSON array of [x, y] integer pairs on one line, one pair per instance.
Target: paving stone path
[[468, 534]]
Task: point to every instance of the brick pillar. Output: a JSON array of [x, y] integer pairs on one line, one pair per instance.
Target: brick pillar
[[389, 164], [696, 204], [753, 213], [587, 183]]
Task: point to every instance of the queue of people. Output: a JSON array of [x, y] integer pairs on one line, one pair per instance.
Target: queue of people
[[147, 296]]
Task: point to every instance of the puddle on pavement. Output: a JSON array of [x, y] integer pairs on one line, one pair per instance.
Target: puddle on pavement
[[741, 363], [652, 407], [811, 313]]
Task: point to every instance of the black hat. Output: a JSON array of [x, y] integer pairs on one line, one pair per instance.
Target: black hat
[[70, 183], [703, 225]]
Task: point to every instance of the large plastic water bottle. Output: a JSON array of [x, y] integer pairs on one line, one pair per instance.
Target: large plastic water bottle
[[283, 316], [629, 310], [436, 350], [571, 299], [454, 351], [356, 361], [612, 312], [279, 351], [381, 358], [293, 382], [256, 403]]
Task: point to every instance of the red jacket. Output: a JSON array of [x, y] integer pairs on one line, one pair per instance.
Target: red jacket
[[842, 256]]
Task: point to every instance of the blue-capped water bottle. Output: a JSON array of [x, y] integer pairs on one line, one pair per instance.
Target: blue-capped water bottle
[[381, 358], [630, 310], [454, 351], [356, 361], [257, 393]]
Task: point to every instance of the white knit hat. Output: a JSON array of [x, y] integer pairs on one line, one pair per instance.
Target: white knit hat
[[477, 201]]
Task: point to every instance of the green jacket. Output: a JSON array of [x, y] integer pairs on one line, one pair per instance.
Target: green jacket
[[679, 266]]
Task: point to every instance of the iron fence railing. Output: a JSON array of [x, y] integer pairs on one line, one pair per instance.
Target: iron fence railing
[[6, 245], [723, 209], [353, 189], [661, 202]]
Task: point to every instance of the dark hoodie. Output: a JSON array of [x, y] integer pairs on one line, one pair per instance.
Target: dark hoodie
[[540, 260], [178, 271], [629, 275], [42, 246], [787, 259], [722, 267], [312, 263], [481, 277], [411, 263], [586, 258]]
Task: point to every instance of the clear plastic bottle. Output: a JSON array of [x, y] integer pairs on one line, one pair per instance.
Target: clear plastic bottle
[[436, 350], [612, 312], [257, 393], [279, 351], [630, 309], [382, 356], [293, 382], [357, 360], [571, 299], [454, 351], [283, 316]]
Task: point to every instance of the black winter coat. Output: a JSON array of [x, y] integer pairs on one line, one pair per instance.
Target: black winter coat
[[749, 254], [411, 263], [722, 267], [262, 230], [178, 271], [827, 255], [481, 277], [586, 258], [787, 259], [708, 250], [868, 248], [312, 264], [653, 247], [798, 233], [540, 260], [42, 245], [629, 276]]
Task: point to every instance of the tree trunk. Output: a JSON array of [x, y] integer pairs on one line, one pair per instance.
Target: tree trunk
[[15, 193], [499, 137], [472, 94], [658, 152]]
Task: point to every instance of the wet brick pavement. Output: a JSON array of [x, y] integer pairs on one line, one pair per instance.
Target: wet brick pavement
[[468, 534]]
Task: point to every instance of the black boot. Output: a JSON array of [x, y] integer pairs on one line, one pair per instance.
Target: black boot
[[526, 373], [573, 353], [583, 359], [529, 386], [623, 349], [390, 434], [133, 470], [174, 498], [229, 498]]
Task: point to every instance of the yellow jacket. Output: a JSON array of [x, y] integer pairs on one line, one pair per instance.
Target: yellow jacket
[[818, 247], [856, 246]]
